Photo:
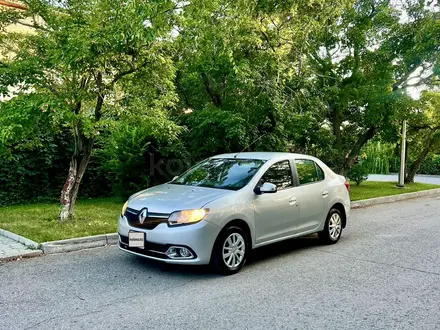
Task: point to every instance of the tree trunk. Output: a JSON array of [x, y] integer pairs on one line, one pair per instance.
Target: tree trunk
[[362, 139], [81, 155], [78, 164], [335, 117], [215, 97], [409, 178]]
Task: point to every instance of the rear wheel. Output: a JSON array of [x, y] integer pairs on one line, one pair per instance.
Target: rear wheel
[[333, 227], [230, 250]]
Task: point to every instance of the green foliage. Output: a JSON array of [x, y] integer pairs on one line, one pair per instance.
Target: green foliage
[[213, 131], [378, 157], [85, 63], [363, 64], [186, 80], [137, 154], [358, 173], [431, 165], [245, 63], [423, 131], [36, 172]]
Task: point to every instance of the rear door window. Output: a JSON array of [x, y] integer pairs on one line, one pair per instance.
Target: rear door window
[[321, 175], [308, 171]]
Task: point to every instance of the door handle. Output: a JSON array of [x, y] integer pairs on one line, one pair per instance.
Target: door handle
[[292, 201], [324, 193]]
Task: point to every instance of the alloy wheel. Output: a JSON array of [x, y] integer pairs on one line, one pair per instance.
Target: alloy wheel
[[335, 226], [233, 251]]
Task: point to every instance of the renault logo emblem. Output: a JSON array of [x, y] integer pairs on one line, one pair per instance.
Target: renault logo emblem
[[143, 215]]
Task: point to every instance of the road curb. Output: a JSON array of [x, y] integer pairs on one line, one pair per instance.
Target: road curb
[[77, 244], [23, 240], [394, 198], [22, 255]]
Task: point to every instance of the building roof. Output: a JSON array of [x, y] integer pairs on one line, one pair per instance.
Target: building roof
[[13, 4]]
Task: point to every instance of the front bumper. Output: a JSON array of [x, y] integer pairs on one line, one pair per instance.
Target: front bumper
[[199, 238]]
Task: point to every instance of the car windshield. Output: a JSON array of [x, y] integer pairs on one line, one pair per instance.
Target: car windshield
[[222, 173]]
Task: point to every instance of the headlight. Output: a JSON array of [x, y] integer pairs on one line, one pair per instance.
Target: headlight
[[124, 208], [187, 217]]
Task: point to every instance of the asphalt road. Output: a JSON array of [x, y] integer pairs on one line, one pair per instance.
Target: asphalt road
[[383, 274]]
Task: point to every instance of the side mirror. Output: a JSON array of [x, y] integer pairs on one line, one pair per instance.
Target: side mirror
[[266, 188]]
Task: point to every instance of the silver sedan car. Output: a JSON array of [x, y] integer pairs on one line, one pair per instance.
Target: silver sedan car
[[227, 205]]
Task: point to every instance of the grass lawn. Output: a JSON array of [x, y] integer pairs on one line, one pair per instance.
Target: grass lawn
[[371, 189], [99, 216], [39, 222]]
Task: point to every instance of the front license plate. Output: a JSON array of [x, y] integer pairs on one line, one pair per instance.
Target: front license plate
[[136, 239]]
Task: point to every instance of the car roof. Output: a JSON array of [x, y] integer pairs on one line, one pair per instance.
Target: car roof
[[262, 155]]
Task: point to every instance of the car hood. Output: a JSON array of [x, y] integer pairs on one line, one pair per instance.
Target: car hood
[[167, 198]]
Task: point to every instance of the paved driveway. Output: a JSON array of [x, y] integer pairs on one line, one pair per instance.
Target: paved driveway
[[383, 274]]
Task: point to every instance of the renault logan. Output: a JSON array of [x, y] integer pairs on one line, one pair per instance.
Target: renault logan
[[227, 205]]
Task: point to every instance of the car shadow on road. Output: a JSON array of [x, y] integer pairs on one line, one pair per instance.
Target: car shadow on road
[[154, 267], [259, 255], [279, 249]]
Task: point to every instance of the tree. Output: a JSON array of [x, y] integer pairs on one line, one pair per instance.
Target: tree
[[242, 72], [363, 65], [424, 129], [89, 60]]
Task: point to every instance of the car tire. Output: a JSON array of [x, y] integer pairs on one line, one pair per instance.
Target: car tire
[[230, 250], [333, 227]]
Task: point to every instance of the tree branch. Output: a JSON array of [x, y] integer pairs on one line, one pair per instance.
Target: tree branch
[[133, 69], [267, 40], [362, 138], [422, 81], [34, 26], [405, 77]]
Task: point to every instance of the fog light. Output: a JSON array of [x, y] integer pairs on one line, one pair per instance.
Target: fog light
[[172, 252], [177, 252], [185, 253]]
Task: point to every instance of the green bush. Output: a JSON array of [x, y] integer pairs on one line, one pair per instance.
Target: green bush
[[30, 174], [35, 151], [358, 173], [137, 156], [431, 165]]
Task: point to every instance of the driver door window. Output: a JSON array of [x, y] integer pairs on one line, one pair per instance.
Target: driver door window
[[279, 174]]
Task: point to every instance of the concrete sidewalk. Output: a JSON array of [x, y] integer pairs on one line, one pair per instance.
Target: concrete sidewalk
[[10, 249]]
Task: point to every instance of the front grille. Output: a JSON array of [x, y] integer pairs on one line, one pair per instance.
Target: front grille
[[151, 222]]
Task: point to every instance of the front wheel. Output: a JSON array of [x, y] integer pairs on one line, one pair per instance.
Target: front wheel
[[333, 227], [230, 250]]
